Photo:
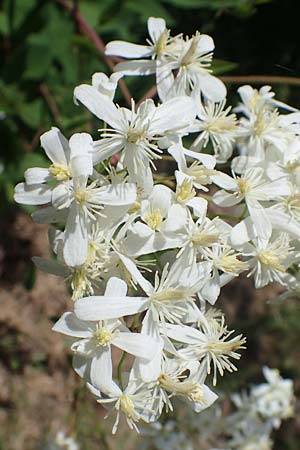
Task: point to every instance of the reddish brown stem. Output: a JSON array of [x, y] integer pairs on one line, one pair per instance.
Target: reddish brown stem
[[91, 34], [260, 79]]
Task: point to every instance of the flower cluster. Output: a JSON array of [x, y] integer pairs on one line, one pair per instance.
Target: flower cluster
[[143, 255], [249, 427]]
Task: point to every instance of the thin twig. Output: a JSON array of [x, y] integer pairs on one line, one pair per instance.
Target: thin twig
[[149, 94], [91, 34], [260, 79], [46, 94]]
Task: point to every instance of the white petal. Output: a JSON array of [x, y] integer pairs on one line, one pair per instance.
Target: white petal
[[50, 215], [101, 369], [212, 88], [283, 222], [137, 344], [101, 308], [136, 274], [81, 144], [105, 148], [139, 67], [36, 194], [211, 290], [36, 175], [82, 366], [260, 219], [116, 287], [206, 44], [173, 114], [225, 181], [208, 161], [156, 26], [209, 396], [70, 325], [99, 105], [164, 81], [117, 194], [127, 50], [183, 333], [81, 165], [56, 146], [76, 237], [223, 198], [242, 232]]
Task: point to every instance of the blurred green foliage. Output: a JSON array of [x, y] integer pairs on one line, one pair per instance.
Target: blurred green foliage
[[44, 56]]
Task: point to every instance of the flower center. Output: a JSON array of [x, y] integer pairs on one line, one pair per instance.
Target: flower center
[[161, 43], [81, 196], [203, 239], [271, 260], [154, 219], [171, 294], [103, 336], [59, 171], [230, 263], [185, 191], [127, 406], [190, 389], [244, 185], [135, 135]]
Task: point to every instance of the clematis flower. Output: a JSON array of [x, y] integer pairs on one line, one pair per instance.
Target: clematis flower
[[134, 133], [97, 337]]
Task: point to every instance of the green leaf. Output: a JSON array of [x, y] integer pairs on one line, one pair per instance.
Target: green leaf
[[219, 66]]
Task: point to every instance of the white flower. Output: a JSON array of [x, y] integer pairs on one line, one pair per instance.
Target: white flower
[[66, 158], [84, 203], [191, 58], [134, 402], [274, 400], [210, 346], [253, 187], [134, 133], [97, 337], [158, 45], [253, 100], [269, 259], [183, 379], [217, 126]]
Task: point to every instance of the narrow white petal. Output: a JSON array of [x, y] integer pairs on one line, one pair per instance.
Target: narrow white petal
[[101, 308], [209, 396], [260, 219], [139, 67], [223, 198], [56, 146], [127, 50], [101, 369], [36, 175], [212, 88], [36, 194], [242, 232], [183, 333], [173, 114], [99, 105], [70, 325], [137, 344], [81, 165], [76, 237], [117, 194], [206, 44], [116, 287], [156, 26]]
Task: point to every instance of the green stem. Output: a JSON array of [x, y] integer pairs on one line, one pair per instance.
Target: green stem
[[119, 370]]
